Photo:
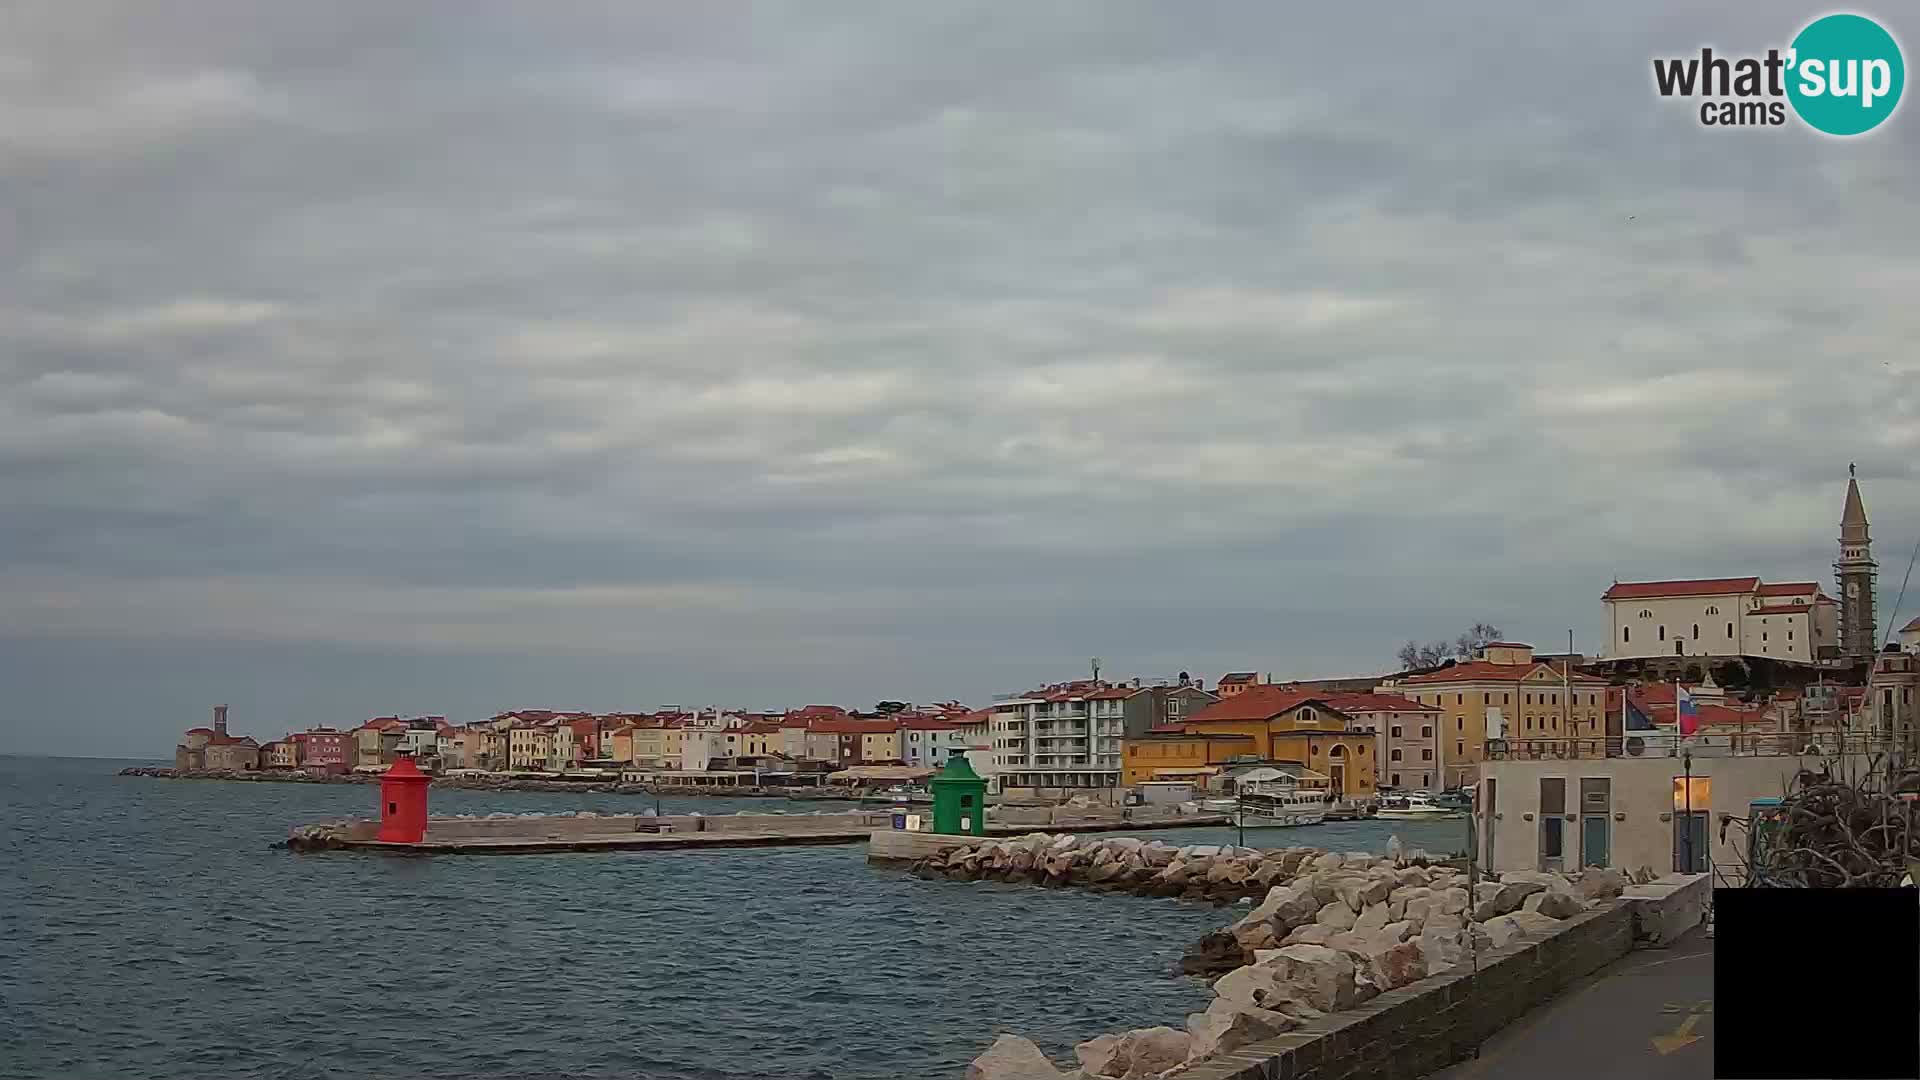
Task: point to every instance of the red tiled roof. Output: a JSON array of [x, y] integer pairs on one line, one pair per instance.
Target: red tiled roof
[[199, 731], [1167, 729], [928, 723], [1788, 588], [1256, 703], [1487, 671], [1352, 703], [761, 727], [981, 716], [853, 727], [1649, 590], [1238, 677], [1114, 693]]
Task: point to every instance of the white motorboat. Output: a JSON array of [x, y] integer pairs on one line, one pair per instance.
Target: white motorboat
[[1416, 806], [1278, 806]]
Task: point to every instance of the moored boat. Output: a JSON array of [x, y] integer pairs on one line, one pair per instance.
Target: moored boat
[[1270, 805], [1416, 806]]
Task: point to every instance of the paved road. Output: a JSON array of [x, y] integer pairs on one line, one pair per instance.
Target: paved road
[[1647, 1016]]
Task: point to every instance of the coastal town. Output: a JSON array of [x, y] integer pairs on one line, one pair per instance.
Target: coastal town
[[1703, 685]]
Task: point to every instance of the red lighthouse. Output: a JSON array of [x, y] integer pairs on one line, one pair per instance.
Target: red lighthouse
[[403, 803]]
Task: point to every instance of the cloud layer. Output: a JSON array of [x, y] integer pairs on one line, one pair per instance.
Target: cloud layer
[[749, 354]]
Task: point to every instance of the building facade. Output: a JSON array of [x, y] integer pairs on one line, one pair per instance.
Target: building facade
[[927, 742], [1063, 736], [1506, 695], [1406, 738], [1721, 617], [1288, 725], [323, 750]]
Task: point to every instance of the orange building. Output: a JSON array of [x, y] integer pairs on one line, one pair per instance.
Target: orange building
[[1266, 723]]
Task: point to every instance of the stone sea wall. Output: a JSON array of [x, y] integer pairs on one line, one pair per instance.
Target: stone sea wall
[[1331, 932]]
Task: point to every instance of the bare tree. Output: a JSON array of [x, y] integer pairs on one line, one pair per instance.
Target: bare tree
[[1477, 637], [1434, 653], [1415, 655]]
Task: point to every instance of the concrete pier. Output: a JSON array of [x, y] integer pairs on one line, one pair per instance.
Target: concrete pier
[[536, 834]]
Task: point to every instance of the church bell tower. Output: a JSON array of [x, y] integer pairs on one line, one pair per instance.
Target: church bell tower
[[1855, 572]]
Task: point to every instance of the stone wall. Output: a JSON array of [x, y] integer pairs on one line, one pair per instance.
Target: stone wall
[[1439, 1020]]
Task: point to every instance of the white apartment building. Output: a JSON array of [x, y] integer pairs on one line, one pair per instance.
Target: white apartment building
[[926, 742], [1063, 736], [1720, 617]]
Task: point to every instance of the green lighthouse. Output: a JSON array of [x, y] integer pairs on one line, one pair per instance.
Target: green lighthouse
[[959, 799]]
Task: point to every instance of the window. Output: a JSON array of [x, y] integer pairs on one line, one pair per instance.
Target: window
[[1646, 614], [1529, 699], [1426, 755], [1696, 631], [1789, 635], [1626, 633], [1486, 699], [1729, 631], [1763, 635], [1529, 723], [1503, 698], [1396, 780], [1459, 723], [1713, 609], [1394, 754], [1459, 699], [1396, 731], [1663, 632], [1459, 749], [1426, 732], [1426, 779]]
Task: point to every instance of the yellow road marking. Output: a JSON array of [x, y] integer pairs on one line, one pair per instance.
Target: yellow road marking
[[1683, 1035]]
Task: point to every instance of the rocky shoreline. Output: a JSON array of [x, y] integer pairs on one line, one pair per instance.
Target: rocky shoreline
[[483, 783], [1330, 932]]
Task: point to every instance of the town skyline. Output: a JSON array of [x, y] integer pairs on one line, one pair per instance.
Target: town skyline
[[812, 358]]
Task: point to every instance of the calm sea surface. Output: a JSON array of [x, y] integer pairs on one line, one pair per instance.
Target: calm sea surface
[[147, 929]]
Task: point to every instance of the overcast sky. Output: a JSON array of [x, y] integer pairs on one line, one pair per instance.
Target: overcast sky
[[359, 358]]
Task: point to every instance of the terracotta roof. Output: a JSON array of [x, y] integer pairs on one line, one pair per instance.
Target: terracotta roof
[[981, 716], [1239, 677], [854, 727], [928, 723], [1649, 590], [1115, 693], [1788, 588], [762, 727], [1352, 703], [1256, 703], [1487, 671]]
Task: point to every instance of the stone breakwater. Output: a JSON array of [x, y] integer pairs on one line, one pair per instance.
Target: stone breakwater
[[1331, 931]]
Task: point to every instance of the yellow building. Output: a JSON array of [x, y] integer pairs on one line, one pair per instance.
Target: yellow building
[[880, 745], [759, 740], [618, 746], [1280, 723], [658, 747], [280, 754], [529, 747], [1170, 756], [1507, 694]]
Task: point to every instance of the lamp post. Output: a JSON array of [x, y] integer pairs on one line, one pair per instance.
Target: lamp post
[[1686, 826]]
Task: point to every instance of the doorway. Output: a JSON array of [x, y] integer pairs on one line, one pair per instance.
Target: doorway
[[1593, 840], [1690, 842]]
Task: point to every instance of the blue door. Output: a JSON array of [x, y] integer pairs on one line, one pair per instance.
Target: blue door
[[1593, 840]]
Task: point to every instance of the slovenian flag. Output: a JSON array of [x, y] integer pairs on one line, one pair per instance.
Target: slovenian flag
[[1684, 708]]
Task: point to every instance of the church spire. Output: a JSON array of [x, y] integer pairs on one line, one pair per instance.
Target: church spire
[[1853, 519], [1855, 572]]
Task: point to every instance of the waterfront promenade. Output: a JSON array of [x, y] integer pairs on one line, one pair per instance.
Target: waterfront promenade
[[1647, 1016]]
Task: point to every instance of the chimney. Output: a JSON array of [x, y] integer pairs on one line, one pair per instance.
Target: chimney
[[219, 719]]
